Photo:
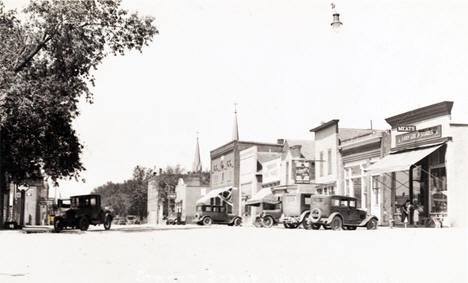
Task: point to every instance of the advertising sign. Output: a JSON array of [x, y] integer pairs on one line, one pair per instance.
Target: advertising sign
[[302, 171], [406, 128], [420, 135]]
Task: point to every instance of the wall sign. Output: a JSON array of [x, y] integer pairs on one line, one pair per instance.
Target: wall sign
[[420, 135], [302, 172], [406, 128]]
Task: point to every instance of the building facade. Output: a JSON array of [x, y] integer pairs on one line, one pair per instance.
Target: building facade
[[225, 167], [429, 153], [190, 188]]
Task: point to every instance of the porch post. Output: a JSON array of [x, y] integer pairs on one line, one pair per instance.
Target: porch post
[[411, 193]]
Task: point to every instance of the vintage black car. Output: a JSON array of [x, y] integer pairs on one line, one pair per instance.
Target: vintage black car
[[83, 211], [216, 207], [296, 209], [338, 212]]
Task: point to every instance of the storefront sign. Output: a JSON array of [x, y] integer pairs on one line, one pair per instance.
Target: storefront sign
[[420, 135], [302, 169], [406, 128]]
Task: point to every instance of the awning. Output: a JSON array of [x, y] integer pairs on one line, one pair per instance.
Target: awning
[[264, 195], [399, 161], [211, 194]]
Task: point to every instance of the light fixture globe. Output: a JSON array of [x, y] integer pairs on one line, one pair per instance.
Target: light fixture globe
[[336, 24]]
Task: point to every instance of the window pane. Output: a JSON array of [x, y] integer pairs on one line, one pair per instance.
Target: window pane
[[343, 203]]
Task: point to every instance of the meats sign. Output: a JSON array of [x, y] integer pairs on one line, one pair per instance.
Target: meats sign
[[420, 135]]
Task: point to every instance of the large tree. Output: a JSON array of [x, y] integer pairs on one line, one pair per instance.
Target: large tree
[[47, 55]]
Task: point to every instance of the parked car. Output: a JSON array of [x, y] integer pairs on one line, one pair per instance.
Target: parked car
[[338, 212], [83, 211], [268, 208], [216, 207], [175, 219], [296, 208]]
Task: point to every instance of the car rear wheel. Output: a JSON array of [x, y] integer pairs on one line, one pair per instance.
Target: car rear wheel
[[237, 221], [58, 225], [268, 221], [84, 224], [372, 224], [207, 221], [337, 223], [107, 222]]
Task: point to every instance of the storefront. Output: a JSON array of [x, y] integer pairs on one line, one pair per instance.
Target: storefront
[[417, 182]]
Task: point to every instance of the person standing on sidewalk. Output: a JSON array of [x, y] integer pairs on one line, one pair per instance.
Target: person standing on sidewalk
[[404, 211]]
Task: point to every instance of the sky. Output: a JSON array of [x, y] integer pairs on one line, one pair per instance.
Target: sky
[[283, 65]]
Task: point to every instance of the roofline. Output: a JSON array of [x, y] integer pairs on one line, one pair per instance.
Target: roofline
[[380, 132], [422, 113], [246, 142], [458, 124], [325, 125]]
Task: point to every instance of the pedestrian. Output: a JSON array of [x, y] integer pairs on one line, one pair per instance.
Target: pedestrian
[[404, 211], [416, 215]]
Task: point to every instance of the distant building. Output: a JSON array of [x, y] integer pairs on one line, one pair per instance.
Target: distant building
[[28, 204], [190, 188], [225, 165]]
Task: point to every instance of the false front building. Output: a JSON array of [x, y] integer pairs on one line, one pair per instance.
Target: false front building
[[432, 153]]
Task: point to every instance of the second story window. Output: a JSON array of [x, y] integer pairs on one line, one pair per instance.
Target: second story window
[[329, 162]]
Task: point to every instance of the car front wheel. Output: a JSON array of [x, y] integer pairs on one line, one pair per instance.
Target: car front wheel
[[207, 221], [84, 224], [372, 224], [58, 226], [107, 222], [268, 221], [337, 223], [315, 226]]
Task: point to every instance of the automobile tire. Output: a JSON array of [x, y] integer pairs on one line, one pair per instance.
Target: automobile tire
[[258, 222], [237, 221], [294, 225], [107, 222], [306, 224], [84, 224], [58, 226], [372, 224], [207, 221], [337, 223], [315, 226], [268, 221], [315, 215]]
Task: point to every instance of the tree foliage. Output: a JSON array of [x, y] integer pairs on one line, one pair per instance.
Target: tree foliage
[[47, 55], [131, 196]]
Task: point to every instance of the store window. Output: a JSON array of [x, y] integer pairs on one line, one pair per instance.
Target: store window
[[438, 190]]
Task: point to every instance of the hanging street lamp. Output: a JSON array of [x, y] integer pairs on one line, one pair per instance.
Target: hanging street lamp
[[336, 24]]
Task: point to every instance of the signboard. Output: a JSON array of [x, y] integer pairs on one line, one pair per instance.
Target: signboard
[[420, 135], [406, 128], [302, 171]]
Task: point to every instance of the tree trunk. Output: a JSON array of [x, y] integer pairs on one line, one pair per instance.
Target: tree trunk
[[2, 183]]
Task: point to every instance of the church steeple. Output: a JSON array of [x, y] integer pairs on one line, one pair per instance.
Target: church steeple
[[235, 130], [197, 166]]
